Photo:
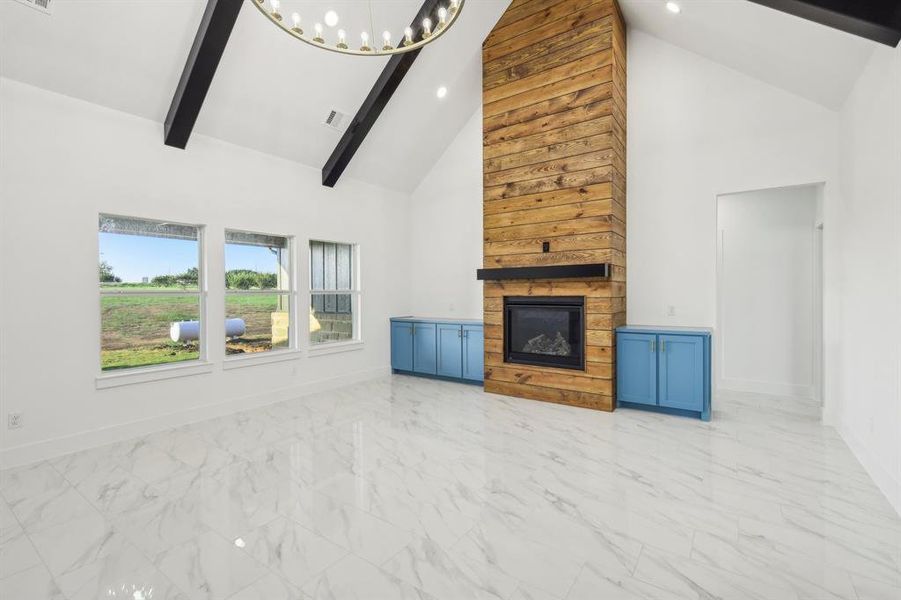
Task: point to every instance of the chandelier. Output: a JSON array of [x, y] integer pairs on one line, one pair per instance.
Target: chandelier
[[425, 32]]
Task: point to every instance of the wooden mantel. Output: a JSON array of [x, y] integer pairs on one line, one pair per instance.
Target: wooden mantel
[[554, 96]]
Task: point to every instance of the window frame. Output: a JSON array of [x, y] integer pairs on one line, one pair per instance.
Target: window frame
[[273, 354], [356, 300], [139, 374]]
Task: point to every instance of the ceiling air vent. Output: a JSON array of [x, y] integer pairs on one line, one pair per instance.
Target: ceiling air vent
[[41, 5], [337, 120]]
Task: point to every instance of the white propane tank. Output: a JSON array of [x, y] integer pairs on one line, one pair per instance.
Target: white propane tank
[[188, 331]]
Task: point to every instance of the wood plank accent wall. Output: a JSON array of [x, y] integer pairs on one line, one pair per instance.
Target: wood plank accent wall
[[554, 96]]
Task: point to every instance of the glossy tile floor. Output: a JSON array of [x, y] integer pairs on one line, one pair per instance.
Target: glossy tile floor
[[407, 488]]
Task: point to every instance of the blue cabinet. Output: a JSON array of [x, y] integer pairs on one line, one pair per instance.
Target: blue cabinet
[[681, 372], [425, 348], [473, 352], [402, 346], [450, 349], [667, 369], [636, 368]]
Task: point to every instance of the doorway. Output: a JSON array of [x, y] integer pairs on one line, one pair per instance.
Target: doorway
[[769, 292]]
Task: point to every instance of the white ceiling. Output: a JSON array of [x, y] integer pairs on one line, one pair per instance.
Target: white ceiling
[[270, 93], [810, 60]]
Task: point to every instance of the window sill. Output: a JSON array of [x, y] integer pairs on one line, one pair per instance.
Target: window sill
[[148, 374], [335, 348], [261, 358]]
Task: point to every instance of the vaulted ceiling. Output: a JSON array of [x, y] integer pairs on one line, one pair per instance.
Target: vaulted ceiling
[[272, 93], [811, 60]]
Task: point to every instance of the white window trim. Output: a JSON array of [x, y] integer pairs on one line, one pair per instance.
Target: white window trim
[[142, 374], [112, 379], [356, 293], [240, 361], [292, 352]]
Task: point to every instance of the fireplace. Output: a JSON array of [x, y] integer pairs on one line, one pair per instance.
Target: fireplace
[[545, 331]]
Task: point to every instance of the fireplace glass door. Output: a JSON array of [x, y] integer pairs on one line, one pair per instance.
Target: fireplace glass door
[[545, 331]]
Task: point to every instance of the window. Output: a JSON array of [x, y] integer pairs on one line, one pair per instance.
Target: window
[[334, 293], [258, 291], [151, 309]]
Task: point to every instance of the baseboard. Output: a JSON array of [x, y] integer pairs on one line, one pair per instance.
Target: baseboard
[[888, 484], [769, 388], [43, 450]]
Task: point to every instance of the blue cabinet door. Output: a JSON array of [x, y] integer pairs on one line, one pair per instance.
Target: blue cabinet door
[[450, 350], [425, 349], [636, 368], [682, 372], [402, 346], [473, 353]]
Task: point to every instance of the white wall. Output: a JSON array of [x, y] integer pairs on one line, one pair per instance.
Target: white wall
[[698, 130], [766, 291], [446, 231], [869, 374], [62, 162]]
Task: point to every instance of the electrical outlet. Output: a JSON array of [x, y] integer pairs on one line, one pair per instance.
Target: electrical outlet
[[15, 420], [670, 311]]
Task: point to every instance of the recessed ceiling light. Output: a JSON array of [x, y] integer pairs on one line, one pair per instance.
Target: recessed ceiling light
[[331, 18], [239, 542], [673, 8], [442, 92]]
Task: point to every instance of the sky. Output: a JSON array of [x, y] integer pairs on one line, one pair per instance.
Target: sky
[[133, 256]]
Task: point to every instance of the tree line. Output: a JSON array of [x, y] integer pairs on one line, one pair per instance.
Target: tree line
[[236, 279]]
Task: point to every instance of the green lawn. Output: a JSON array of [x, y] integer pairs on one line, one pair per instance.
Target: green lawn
[[135, 329]]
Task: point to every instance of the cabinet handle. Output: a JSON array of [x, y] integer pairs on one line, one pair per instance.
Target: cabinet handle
[[663, 345], [653, 346], [459, 333]]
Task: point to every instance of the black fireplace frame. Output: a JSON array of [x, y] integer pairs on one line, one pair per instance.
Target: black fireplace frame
[[576, 363]]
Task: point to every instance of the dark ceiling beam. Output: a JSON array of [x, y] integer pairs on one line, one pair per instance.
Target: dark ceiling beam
[[876, 20], [385, 86], [209, 44]]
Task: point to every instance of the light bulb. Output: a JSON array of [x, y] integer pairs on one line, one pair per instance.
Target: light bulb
[[442, 17], [275, 5], [342, 39], [318, 38], [455, 4], [331, 18], [673, 8], [364, 37], [295, 17], [387, 37], [426, 28], [408, 36]]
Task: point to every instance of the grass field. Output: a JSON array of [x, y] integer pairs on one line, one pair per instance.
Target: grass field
[[135, 329]]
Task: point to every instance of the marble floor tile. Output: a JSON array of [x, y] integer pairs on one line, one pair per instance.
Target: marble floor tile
[[209, 567], [353, 578], [448, 574], [683, 577], [290, 550], [269, 587], [406, 488], [17, 554], [32, 584], [66, 548], [600, 581]]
